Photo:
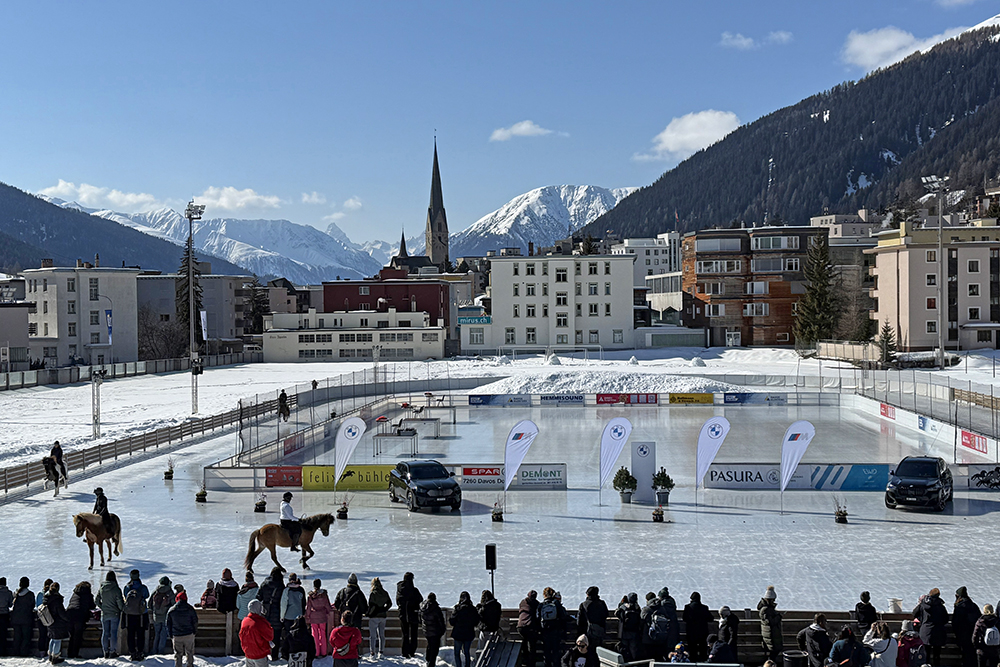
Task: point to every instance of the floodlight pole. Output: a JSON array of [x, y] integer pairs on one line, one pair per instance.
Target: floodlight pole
[[937, 185], [192, 212], [96, 378]]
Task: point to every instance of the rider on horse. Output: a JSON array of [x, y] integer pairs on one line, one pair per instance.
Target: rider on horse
[[289, 521], [57, 454], [101, 509], [283, 409]]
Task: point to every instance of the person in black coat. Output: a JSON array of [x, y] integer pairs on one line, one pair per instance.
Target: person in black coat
[[408, 599], [815, 641], [23, 618], [59, 630], [581, 655], [963, 622], [490, 612], [269, 592], [865, 614], [432, 618], [629, 615], [933, 617], [463, 622], [729, 630], [350, 598], [593, 619], [300, 640], [552, 625], [78, 611], [527, 627], [720, 652], [697, 619]]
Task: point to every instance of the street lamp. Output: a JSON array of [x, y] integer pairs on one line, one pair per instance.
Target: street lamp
[[192, 212], [96, 378], [110, 320], [938, 186]]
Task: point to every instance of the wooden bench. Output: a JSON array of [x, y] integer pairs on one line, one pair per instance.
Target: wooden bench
[[500, 651]]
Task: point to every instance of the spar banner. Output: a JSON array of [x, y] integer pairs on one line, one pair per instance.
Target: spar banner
[[626, 399], [534, 476], [807, 476], [736, 398], [793, 447], [549, 400], [616, 433], [713, 434], [501, 400], [348, 436], [691, 399], [518, 442], [973, 441]]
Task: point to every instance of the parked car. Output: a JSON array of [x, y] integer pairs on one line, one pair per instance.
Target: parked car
[[424, 484], [920, 480]]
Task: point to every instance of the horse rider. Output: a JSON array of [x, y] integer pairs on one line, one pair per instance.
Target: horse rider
[[289, 521], [57, 454], [283, 409], [101, 509]]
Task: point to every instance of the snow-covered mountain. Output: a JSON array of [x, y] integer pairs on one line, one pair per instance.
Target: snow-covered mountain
[[300, 253], [382, 251]]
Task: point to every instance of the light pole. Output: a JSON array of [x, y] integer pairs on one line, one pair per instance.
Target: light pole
[[96, 378], [375, 352], [110, 321], [192, 212], [938, 186]]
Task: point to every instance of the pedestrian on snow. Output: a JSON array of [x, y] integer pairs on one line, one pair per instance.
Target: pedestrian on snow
[[580, 655], [43, 632], [432, 618], [986, 631], [345, 640], [528, 627], [256, 635], [22, 618], [318, 610], [301, 644], [182, 625], [464, 620], [629, 615], [933, 618], [379, 604], [865, 614], [815, 641], [408, 599], [719, 651], [963, 621], [226, 590], [729, 630], [78, 611], [912, 652], [679, 654], [111, 601], [552, 626], [697, 620], [489, 617], [208, 599], [350, 598], [289, 521], [6, 600], [269, 594], [136, 618], [59, 630], [248, 591], [292, 605], [847, 651], [160, 602], [592, 619], [884, 649], [770, 624]]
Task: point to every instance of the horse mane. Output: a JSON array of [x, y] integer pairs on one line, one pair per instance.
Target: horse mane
[[313, 522]]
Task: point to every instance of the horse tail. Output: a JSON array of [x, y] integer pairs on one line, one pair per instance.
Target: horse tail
[[248, 561], [119, 546]]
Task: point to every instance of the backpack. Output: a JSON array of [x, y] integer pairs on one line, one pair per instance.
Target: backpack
[[918, 655], [134, 604], [548, 612], [659, 627], [596, 632], [992, 636], [44, 615], [632, 620]]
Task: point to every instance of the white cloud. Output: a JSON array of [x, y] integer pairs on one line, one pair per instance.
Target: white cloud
[[690, 133], [525, 128], [334, 217], [779, 37], [313, 198], [955, 3], [884, 46], [231, 199], [737, 41], [92, 196], [352, 204]]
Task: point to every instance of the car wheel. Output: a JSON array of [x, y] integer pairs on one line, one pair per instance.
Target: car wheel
[[456, 507], [392, 496], [411, 501], [888, 504], [942, 502]]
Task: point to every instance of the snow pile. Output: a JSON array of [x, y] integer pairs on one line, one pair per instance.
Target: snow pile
[[503, 360], [604, 382], [698, 361], [633, 361], [553, 361]]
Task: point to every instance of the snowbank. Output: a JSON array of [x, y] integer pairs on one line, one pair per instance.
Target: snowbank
[[601, 381]]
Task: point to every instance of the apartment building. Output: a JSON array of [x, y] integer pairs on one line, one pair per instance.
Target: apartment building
[[654, 256], [223, 298]]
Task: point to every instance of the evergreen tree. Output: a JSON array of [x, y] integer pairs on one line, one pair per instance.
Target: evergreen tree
[[259, 306], [887, 343], [817, 310], [189, 259], [994, 210], [588, 247]]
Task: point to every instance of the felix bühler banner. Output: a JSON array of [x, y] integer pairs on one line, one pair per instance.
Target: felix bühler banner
[[355, 478]]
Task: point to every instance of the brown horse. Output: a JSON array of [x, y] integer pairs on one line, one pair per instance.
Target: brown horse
[[92, 526], [272, 535]]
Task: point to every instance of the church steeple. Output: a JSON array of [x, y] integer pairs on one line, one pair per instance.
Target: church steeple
[[436, 241], [402, 245]]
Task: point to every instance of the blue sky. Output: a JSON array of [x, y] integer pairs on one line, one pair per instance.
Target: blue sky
[[326, 111]]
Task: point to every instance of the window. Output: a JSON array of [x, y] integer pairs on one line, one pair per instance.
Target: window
[[579, 337], [562, 320], [592, 268], [307, 338], [94, 289], [756, 309], [617, 336], [72, 350], [648, 262], [973, 313], [95, 338], [529, 310], [429, 337], [365, 306], [517, 310], [71, 284], [607, 268], [756, 288], [561, 276], [517, 289], [711, 288], [931, 326], [529, 269], [595, 337], [32, 328], [517, 268], [775, 243], [782, 338], [561, 298], [45, 306], [715, 310], [579, 309], [592, 289], [545, 289], [593, 310], [719, 266], [530, 337], [973, 289], [577, 271], [363, 322], [545, 310], [529, 289], [973, 266], [767, 264], [791, 264], [50, 352], [508, 336], [931, 279], [364, 290], [984, 336], [545, 269], [71, 329], [579, 289], [45, 284], [307, 354], [562, 339], [717, 245], [931, 303], [476, 336], [931, 256], [607, 289], [607, 310]]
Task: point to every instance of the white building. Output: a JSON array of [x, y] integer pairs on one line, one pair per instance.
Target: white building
[[351, 335], [556, 301], [653, 256]]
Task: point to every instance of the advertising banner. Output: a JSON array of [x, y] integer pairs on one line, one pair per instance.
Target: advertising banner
[[107, 316], [548, 400], [793, 446], [204, 324], [984, 477], [626, 399], [475, 320], [755, 399], [501, 400], [364, 477], [294, 443], [518, 442], [348, 436], [643, 467], [973, 441], [815, 476], [887, 411], [691, 399], [613, 439], [283, 476], [928, 425], [713, 434], [534, 476]]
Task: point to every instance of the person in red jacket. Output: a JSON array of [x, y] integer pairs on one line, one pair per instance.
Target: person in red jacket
[[256, 635], [345, 641]]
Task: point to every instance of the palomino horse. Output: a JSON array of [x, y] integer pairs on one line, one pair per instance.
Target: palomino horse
[[53, 474], [93, 527], [272, 535]]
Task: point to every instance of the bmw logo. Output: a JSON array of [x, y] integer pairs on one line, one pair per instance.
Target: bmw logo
[[642, 450], [715, 430], [617, 432], [352, 432]]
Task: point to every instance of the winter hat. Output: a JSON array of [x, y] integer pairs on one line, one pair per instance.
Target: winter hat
[[431, 597], [679, 647], [164, 580], [558, 596], [227, 574], [650, 596], [317, 583], [353, 579], [962, 592], [770, 594], [865, 596], [664, 593], [582, 639], [256, 607], [210, 584], [532, 595], [179, 588], [181, 597], [696, 597], [134, 574], [724, 611], [934, 592], [633, 598], [907, 626], [23, 583], [3, 581], [593, 591]]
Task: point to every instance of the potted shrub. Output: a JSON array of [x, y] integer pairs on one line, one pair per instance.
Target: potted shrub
[[625, 484], [202, 495], [342, 510], [658, 515], [169, 472], [839, 511], [497, 513], [663, 485], [261, 504]]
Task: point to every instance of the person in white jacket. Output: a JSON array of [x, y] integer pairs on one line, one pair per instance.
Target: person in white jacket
[[883, 647], [289, 521]]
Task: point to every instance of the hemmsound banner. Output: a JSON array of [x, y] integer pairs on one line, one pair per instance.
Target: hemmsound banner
[[518, 442], [348, 436], [793, 447], [613, 440], [713, 434]]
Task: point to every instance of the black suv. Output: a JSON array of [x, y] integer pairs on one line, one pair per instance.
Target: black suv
[[424, 484], [919, 480]]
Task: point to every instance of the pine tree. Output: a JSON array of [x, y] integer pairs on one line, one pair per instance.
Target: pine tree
[[589, 246], [817, 312], [259, 306], [189, 259], [887, 343]]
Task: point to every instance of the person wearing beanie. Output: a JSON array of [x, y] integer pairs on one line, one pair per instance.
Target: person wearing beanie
[[111, 601], [379, 604], [293, 605], [208, 599], [629, 615], [552, 622], [226, 590], [345, 640], [581, 654], [408, 599], [697, 619], [432, 618], [248, 591], [22, 619], [182, 624], [490, 612], [865, 614], [963, 622], [463, 621], [350, 598], [729, 630], [136, 597], [770, 624], [933, 618], [256, 635], [160, 602], [269, 594], [679, 654], [987, 655], [318, 609], [815, 641], [592, 619]]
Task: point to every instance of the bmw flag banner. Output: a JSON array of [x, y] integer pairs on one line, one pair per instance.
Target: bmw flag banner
[[518, 442], [793, 447], [348, 437], [713, 434], [613, 440], [107, 315]]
